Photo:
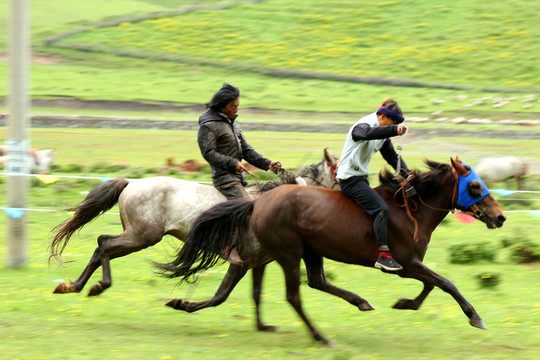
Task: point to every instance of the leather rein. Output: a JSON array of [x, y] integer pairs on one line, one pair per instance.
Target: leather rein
[[408, 191]]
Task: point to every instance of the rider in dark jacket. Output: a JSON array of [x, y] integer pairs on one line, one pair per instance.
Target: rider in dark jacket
[[223, 145]]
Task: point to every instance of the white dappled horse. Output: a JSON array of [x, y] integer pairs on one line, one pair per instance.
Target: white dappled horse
[[153, 207]]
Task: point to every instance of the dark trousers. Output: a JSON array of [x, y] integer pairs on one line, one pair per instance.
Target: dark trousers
[[233, 190], [358, 189]]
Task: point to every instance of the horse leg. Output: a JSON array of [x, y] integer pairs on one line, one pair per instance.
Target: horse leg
[[232, 277], [78, 285], [430, 278], [414, 304], [292, 281], [258, 273], [114, 246], [317, 280]]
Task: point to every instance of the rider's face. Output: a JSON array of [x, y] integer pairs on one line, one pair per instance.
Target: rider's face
[[385, 120], [231, 109]]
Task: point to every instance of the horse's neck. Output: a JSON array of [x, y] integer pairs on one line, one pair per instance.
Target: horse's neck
[[434, 209]]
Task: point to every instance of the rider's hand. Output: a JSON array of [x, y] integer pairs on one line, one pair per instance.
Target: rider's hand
[[240, 167], [274, 165], [401, 129]]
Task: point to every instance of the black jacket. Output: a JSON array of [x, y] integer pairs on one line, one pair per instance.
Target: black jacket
[[223, 145]]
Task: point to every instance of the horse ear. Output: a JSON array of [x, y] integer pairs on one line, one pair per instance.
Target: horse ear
[[329, 157], [457, 164]]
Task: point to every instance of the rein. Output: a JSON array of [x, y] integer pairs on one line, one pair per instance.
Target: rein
[[407, 191]]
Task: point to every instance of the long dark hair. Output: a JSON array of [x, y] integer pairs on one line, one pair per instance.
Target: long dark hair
[[224, 96]]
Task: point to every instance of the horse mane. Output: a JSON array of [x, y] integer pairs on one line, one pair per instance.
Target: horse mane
[[312, 172], [286, 178], [425, 183]]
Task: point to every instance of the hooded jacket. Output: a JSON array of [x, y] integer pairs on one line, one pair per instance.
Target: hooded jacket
[[223, 145]]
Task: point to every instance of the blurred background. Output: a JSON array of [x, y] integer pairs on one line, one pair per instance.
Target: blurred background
[[117, 87]]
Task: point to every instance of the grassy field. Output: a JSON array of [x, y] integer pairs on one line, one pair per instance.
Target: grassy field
[[385, 40], [437, 51], [465, 45], [130, 319]]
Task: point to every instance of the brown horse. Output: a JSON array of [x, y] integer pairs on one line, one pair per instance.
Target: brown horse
[[294, 223]]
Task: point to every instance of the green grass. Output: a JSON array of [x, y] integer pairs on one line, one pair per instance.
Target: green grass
[[93, 76], [130, 321], [386, 39]]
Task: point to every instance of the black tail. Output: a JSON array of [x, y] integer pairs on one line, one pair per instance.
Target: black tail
[[211, 235], [102, 198]]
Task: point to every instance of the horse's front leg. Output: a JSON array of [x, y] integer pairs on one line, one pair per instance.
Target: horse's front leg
[[258, 273], [232, 277], [317, 280], [419, 271], [413, 304]]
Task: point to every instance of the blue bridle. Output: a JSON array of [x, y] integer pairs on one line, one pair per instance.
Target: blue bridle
[[465, 199]]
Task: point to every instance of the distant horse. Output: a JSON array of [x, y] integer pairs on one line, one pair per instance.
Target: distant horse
[[39, 161], [295, 223], [153, 207], [502, 168]]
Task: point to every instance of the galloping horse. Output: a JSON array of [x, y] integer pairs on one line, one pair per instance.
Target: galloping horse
[[311, 223], [153, 207]]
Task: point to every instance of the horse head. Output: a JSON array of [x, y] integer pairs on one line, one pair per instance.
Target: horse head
[[322, 174], [473, 196]]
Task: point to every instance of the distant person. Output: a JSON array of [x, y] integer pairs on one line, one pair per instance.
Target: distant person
[[224, 145], [367, 136]]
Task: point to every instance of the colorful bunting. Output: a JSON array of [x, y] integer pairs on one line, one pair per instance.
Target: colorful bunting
[[14, 213], [47, 179]]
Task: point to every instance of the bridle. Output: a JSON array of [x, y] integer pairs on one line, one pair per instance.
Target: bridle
[[408, 191], [333, 170]]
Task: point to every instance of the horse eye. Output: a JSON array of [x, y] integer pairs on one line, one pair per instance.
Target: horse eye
[[475, 189]]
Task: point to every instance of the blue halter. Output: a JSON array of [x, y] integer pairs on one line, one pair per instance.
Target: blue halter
[[465, 200]]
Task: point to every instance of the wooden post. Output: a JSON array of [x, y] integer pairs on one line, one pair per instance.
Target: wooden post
[[18, 142]]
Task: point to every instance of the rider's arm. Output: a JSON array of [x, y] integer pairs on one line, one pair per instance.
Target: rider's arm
[[363, 131], [390, 155], [250, 155]]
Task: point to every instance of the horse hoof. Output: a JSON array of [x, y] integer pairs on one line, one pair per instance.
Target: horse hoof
[[323, 340], [405, 304], [177, 304], [64, 288], [96, 290], [478, 323], [267, 328], [365, 306]]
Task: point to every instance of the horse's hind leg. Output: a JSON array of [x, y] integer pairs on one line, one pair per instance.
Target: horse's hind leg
[[114, 246], [414, 304], [232, 277], [317, 280], [258, 273], [78, 285], [430, 278], [292, 281]]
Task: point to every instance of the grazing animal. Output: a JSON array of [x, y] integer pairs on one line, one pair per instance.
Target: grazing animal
[[502, 168], [153, 207], [309, 224], [39, 161]]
